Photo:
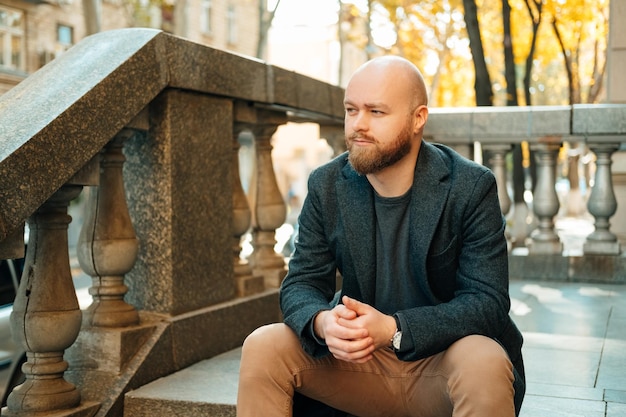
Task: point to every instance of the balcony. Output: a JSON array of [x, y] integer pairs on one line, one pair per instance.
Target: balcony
[[145, 127]]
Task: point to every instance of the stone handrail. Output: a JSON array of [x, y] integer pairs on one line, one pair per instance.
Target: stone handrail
[[78, 102]]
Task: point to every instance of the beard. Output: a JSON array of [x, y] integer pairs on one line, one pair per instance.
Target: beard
[[375, 158]]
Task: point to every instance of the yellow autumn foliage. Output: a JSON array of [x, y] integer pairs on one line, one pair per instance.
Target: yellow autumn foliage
[[571, 34]]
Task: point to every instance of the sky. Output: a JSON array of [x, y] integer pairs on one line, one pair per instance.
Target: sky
[[304, 13], [303, 37], [320, 14]]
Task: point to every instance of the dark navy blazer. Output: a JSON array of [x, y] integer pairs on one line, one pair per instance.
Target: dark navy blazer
[[458, 253]]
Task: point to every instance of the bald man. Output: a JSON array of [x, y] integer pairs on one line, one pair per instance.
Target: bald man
[[420, 326]]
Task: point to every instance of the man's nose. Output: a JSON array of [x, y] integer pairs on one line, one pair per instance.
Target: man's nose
[[359, 122]]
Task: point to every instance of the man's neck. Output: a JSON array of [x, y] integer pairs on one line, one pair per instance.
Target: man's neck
[[394, 180]]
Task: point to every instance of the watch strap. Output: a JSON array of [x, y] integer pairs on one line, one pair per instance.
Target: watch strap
[[396, 334]]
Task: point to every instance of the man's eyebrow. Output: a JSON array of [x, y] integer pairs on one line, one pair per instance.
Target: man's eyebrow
[[376, 105], [372, 105]]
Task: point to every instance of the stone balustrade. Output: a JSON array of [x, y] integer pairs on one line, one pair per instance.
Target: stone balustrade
[[148, 125], [545, 129]]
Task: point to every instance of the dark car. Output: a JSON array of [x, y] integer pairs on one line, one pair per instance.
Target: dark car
[[10, 271], [11, 356]]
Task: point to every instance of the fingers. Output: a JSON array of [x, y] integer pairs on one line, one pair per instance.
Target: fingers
[[358, 307], [380, 327], [358, 351], [342, 328], [363, 313], [344, 312], [346, 331], [350, 343]]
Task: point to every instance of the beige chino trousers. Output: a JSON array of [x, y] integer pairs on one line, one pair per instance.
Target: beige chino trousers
[[473, 377]]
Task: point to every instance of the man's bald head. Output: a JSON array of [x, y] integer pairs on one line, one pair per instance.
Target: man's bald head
[[399, 72], [386, 111]]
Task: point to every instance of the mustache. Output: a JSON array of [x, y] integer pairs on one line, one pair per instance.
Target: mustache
[[357, 135]]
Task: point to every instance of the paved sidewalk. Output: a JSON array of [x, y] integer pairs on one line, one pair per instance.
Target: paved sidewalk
[[575, 348]]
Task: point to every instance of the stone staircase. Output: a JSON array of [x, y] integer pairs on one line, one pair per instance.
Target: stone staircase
[[182, 365], [205, 389]]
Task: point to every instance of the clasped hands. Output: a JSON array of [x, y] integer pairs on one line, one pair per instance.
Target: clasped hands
[[354, 330]]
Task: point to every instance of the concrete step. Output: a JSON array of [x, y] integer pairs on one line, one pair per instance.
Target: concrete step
[[205, 389]]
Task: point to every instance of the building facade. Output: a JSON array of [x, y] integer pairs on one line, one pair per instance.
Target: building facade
[[616, 89], [34, 32]]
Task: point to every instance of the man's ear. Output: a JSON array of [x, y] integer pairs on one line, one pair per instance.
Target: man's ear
[[420, 118]]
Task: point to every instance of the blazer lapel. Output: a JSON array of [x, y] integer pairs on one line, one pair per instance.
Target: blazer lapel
[[430, 193], [356, 206]]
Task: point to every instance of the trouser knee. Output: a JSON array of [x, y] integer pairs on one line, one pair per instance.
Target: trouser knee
[[481, 375], [272, 343], [272, 337], [265, 371], [480, 355]]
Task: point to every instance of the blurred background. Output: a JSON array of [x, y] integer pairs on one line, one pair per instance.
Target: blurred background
[[472, 52]]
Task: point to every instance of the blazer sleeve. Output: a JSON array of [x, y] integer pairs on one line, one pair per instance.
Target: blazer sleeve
[[310, 284], [477, 260]]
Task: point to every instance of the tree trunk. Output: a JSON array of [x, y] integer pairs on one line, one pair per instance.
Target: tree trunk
[[568, 65], [342, 41], [482, 83], [533, 43], [265, 23], [598, 77], [509, 62], [370, 47]]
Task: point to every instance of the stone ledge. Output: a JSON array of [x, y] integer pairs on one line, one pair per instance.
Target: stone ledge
[[177, 344], [85, 409], [604, 269]]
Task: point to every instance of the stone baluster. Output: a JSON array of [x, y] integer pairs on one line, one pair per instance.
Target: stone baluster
[[545, 240], [246, 282], [269, 210], [497, 162], [107, 246], [602, 203], [46, 317], [575, 203], [335, 136]]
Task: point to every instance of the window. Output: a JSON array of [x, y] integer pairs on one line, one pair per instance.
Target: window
[[12, 39], [206, 25], [232, 25], [65, 35]]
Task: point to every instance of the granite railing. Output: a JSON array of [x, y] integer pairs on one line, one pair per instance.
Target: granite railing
[[148, 124]]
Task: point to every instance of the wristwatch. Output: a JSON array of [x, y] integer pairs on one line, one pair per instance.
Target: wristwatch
[[396, 340]]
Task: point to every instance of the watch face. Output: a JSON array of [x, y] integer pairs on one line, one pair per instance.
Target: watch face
[[397, 338]]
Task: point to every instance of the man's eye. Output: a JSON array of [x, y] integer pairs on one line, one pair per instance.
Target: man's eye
[[350, 111]]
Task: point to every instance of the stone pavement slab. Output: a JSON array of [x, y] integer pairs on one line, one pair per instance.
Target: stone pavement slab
[[574, 351]]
